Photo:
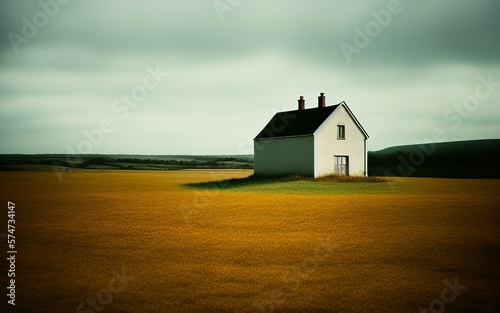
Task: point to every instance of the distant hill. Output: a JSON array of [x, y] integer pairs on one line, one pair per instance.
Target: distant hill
[[459, 159]]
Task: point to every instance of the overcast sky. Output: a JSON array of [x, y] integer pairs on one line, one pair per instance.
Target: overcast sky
[[67, 69]]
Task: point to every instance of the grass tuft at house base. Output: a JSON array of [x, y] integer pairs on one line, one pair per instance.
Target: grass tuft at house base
[[351, 179]]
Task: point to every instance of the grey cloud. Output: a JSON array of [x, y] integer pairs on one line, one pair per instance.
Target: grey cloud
[[240, 71], [425, 31]]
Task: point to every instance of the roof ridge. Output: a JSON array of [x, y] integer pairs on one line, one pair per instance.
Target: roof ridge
[[315, 108]]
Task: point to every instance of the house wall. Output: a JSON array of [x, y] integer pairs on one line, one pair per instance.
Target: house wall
[[278, 156], [327, 145]]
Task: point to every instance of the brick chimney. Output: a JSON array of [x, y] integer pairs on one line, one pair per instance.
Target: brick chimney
[[302, 103], [322, 100]]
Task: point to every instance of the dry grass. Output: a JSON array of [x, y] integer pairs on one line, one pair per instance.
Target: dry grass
[[198, 250]]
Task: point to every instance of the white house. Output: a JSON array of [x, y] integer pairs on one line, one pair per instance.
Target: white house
[[314, 142]]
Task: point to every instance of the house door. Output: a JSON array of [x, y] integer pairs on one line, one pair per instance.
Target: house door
[[342, 165]]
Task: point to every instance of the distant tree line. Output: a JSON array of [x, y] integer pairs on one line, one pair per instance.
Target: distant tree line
[[128, 163]]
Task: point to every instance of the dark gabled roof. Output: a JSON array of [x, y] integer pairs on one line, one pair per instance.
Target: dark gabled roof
[[296, 123]]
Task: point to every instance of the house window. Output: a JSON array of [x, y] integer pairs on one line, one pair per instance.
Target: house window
[[342, 165], [340, 131]]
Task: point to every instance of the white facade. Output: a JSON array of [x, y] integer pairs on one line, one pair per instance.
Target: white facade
[[327, 145], [314, 154]]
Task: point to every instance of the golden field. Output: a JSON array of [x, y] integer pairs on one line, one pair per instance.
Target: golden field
[[384, 247]]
